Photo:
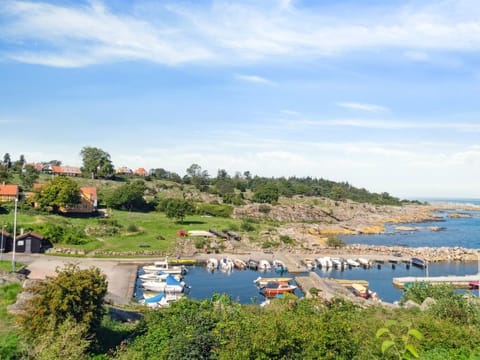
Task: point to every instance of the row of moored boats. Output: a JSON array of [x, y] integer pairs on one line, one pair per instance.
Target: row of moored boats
[[327, 262], [227, 264], [162, 283]]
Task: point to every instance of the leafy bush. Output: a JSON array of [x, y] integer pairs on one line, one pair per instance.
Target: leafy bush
[[287, 239], [247, 226], [132, 228], [265, 209], [335, 242], [214, 209], [63, 234]]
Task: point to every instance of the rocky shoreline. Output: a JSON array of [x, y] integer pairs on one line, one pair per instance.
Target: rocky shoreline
[[431, 254]]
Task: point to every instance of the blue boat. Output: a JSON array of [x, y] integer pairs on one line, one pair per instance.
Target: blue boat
[[418, 262]]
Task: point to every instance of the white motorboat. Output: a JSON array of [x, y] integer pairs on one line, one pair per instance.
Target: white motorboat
[[158, 276], [226, 264], [163, 266], [279, 266], [363, 261], [212, 264], [324, 262], [171, 285], [160, 299], [353, 263], [264, 265], [336, 262]]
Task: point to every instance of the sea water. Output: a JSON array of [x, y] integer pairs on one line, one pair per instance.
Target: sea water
[[236, 283], [462, 232]]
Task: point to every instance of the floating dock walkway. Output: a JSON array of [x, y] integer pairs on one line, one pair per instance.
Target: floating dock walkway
[[457, 281]]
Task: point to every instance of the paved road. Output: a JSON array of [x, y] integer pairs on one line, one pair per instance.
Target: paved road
[[120, 274]]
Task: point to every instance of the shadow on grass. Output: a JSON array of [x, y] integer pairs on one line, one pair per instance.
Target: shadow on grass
[[193, 222], [117, 326]]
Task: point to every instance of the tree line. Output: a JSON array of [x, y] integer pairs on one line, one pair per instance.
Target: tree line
[[97, 163]]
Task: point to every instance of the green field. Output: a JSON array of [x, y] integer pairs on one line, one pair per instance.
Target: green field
[[123, 230]]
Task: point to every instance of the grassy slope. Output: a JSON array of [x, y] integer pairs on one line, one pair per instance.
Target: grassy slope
[[155, 230]]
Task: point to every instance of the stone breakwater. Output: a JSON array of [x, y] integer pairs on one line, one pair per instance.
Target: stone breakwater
[[431, 254]]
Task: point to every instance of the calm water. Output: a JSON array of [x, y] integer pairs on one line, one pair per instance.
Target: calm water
[[238, 284], [463, 232], [380, 280]]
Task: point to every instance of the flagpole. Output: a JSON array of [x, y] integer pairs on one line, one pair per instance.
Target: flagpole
[[14, 234]]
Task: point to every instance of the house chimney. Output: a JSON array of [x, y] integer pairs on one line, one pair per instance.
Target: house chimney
[[21, 231]]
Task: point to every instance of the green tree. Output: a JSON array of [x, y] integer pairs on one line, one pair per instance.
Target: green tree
[[338, 192], [28, 176], [96, 162], [74, 293], [5, 175], [267, 193], [7, 161], [60, 192], [177, 208], [128, 196], [198, 177]]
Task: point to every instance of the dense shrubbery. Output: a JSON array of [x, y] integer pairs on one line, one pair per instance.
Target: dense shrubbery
[[214, 209], [219, 328], [63, 234]]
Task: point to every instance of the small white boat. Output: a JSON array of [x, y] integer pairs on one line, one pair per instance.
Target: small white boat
[[264, 265], [171, 285], [364, 262], [324, 262], [353, 263], [157, 276], [226, 264], [279, 266], [160, 299], [336, 262], [163, 266], [212, 264]]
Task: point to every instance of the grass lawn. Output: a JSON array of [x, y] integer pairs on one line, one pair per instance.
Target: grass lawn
[[6, 265], [8, 337], [124, 230]]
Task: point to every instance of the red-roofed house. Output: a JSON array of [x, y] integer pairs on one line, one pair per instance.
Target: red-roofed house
[[141, 171], [88, 202], [8, 192], [124, 170], [66, 170]]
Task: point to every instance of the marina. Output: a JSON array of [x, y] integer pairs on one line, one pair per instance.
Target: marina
[[383, 276]]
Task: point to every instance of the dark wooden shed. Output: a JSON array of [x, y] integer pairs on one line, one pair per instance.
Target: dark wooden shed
[[6, 244], [31, 242]]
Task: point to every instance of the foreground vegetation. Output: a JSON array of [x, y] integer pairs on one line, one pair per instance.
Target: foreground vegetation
[[219, 328]]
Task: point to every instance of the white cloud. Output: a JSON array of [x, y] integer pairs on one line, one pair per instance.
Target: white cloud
[[226, 32], [391, 124], [254, 79], [363, 107]]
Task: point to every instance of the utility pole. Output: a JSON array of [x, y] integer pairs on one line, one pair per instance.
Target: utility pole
[[14, 234], [1, 243]]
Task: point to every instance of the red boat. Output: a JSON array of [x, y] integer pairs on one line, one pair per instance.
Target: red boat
[[275, 288], [474, 284]]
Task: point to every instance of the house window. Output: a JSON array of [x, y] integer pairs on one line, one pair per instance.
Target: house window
[[20, 243]]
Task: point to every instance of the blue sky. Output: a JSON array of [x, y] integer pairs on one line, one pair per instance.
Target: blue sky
[[381, 94]]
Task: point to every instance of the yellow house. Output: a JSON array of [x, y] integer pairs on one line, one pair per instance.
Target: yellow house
[[8, 192], [88, 202]]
